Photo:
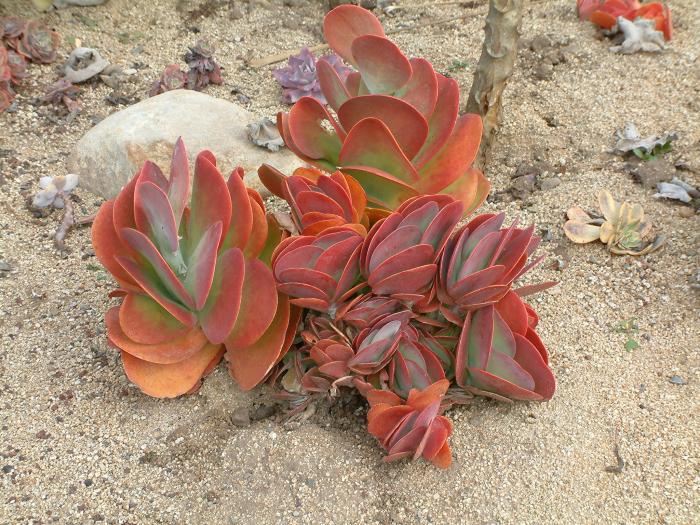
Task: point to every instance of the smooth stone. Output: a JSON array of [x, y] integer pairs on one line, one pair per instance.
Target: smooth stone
[[109, 155]]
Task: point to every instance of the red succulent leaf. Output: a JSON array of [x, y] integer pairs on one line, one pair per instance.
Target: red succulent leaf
[[211, 202], [442, 121], [406, 124], [174, 350], [307, 133], [383, 66], [144, 321], [344, 24], [421, 91], [331, 84], [249, 364], [179, 184], [175, 379], [492, 358]]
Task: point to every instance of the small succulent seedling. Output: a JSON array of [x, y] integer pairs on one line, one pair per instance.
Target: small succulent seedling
[[203, 69], [54, 190], [622, 227], [630, 328]]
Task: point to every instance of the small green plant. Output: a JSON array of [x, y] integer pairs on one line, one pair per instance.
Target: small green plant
[[659, 149], [630, 328], [457, 65]]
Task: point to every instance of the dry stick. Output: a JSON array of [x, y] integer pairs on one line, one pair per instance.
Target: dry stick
[[88, 219], [271, 59], [66, 224]]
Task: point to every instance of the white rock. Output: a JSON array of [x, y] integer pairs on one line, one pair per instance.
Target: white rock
[[114, 150]]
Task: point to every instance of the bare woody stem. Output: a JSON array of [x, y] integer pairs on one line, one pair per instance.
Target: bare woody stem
[[66, 224], [494, 69]]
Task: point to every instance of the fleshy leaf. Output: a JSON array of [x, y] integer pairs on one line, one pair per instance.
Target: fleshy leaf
[[344, 24], [383, 66], [250, 364], [146, 322], [170, 380], [406, 124]]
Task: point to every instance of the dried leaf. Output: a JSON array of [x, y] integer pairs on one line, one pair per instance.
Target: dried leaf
[[264, 133]]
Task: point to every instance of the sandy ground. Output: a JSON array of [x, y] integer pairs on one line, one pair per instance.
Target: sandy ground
[[79, 444]]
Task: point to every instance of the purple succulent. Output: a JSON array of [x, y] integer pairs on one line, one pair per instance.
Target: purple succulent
[[299, 79], [62, 92], [172, 78], [203, 68]]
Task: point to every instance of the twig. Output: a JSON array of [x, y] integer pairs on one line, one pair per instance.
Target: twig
[[465, 3], [66, 224], [84, 221], [278, 57]]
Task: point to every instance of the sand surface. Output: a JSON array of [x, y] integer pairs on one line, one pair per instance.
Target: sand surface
[[80, 444]]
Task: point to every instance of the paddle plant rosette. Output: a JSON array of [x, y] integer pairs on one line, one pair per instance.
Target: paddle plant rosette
[[193, 276], [395, 125]]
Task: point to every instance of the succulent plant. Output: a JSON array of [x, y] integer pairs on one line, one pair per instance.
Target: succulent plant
[[6, 97], [172, 78], [11, 29], [203, 68], [54, 190], [499, 353], [622, 227], [398, 131], [38, 43], [481, 262], [193, 284], [319, 201], [412, 429], [605, 13], [319, 272], [299, 77], [62, 92], [400, 256], [408, 306], [17, 65]]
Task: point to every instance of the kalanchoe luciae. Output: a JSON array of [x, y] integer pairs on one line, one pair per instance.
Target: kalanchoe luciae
[[398, 131], [317, 201], [38, 42], [319, 272], [481, 262], [414, 428], [400, 256], [193, 285], [203, 68], [500, 354], [299, 77]]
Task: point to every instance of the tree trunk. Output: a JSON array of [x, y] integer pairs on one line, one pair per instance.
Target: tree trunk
[[494, 69]]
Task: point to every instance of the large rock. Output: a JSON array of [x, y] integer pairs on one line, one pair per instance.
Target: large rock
[[113, 151]]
